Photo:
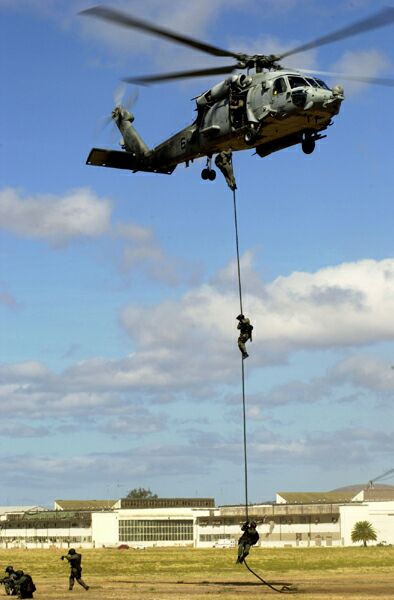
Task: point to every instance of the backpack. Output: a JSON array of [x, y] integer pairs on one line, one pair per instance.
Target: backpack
[[30, 587]]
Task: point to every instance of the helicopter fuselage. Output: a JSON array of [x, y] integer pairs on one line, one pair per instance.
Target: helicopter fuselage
[[267, 111]]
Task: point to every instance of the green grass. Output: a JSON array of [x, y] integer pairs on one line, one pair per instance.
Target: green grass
[[180, 564]]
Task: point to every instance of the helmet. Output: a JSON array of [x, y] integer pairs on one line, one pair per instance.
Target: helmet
[[71, 551], [19, 573], [9, 569], [253, 524], [240, 317]]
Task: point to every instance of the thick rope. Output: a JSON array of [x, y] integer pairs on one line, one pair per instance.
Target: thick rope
[[285, 587], [245, 452], [242, 361], [237, 245]]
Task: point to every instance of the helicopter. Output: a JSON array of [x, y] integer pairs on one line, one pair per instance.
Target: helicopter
[[269, 107]]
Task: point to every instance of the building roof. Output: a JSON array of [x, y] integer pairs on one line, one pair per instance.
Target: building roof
[[167, 503], [316, 497], [20, 509], [379, 494], [80, 505]]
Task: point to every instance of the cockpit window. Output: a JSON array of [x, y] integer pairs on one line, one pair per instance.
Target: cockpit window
[[312, 82], [322, 84], [279, 86], [297, 81]]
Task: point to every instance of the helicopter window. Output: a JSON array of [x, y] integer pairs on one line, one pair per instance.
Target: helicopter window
[[312, 82], [279, 86], [322, 84], [297, 82]]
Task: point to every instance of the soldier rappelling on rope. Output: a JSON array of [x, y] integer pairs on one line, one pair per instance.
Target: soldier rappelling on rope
[[249, 538], [245, 333], [224, 162]]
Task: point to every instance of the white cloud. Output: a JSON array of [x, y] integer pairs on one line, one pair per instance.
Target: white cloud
[[365, 63], [80, 213], [345, 305], [24, 371], [365, 372], [54, 219], [135, 233], [186, 348], [354, 446]]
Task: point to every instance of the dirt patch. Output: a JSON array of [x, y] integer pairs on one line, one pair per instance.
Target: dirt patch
[[327, 587]]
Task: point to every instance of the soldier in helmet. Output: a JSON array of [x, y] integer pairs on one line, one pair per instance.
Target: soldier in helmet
[[24, 585], [76, 569], [9, 581], [245, 333], [249, 538]]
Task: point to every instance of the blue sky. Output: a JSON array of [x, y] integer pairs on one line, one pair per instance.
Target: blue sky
[[119, 366]]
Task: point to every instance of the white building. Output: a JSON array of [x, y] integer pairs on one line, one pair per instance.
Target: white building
[[5, 511], [295, 520], [151, 522]]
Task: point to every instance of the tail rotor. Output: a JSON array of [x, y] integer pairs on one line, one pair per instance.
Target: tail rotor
[[122, 109]]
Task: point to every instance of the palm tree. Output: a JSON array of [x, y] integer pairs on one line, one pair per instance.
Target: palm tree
[[363, 532]]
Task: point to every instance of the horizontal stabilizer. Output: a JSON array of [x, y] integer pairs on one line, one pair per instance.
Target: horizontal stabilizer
[[117, 159]]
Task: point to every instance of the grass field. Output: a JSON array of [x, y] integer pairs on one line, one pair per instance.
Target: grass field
[[181, 573]]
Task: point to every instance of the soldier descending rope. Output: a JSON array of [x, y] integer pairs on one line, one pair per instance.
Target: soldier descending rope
[[249, 538], [245, 333]]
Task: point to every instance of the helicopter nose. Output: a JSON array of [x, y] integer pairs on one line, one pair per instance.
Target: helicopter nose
[[338, 90]]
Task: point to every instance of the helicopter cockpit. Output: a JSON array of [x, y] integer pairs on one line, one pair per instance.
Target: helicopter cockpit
[[295, 81], [294, 91]]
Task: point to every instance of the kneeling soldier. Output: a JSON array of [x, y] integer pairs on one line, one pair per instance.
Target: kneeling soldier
[[24, 585], [9, 581]]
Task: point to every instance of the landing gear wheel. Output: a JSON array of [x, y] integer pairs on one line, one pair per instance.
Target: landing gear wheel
[[205, 174], [308, 145], [250, 137], [212, 175]]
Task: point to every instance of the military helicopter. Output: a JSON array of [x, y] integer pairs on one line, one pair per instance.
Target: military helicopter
[[268, 108]]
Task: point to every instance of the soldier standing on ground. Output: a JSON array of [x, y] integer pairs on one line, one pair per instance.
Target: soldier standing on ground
[[245, 333], [249, 538], [76, 570]]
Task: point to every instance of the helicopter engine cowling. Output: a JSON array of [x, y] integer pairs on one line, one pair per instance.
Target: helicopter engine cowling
[[221, 90]]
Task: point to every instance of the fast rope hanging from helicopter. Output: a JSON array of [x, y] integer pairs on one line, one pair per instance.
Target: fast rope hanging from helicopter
[[230, 179]]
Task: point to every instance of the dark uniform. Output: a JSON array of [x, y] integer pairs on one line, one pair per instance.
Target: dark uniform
[[9, 581], [224, 162], [249, 538], [24, 585], [76, 570], [245, 334]]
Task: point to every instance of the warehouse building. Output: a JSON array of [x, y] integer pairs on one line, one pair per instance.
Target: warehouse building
[[294, 520]]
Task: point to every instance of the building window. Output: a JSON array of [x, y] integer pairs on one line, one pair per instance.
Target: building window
[[214, 537], [155, 530]]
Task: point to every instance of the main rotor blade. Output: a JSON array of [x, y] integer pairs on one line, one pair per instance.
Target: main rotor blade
[[181, 75], [386, 81], [380, 19], [126, 20]]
